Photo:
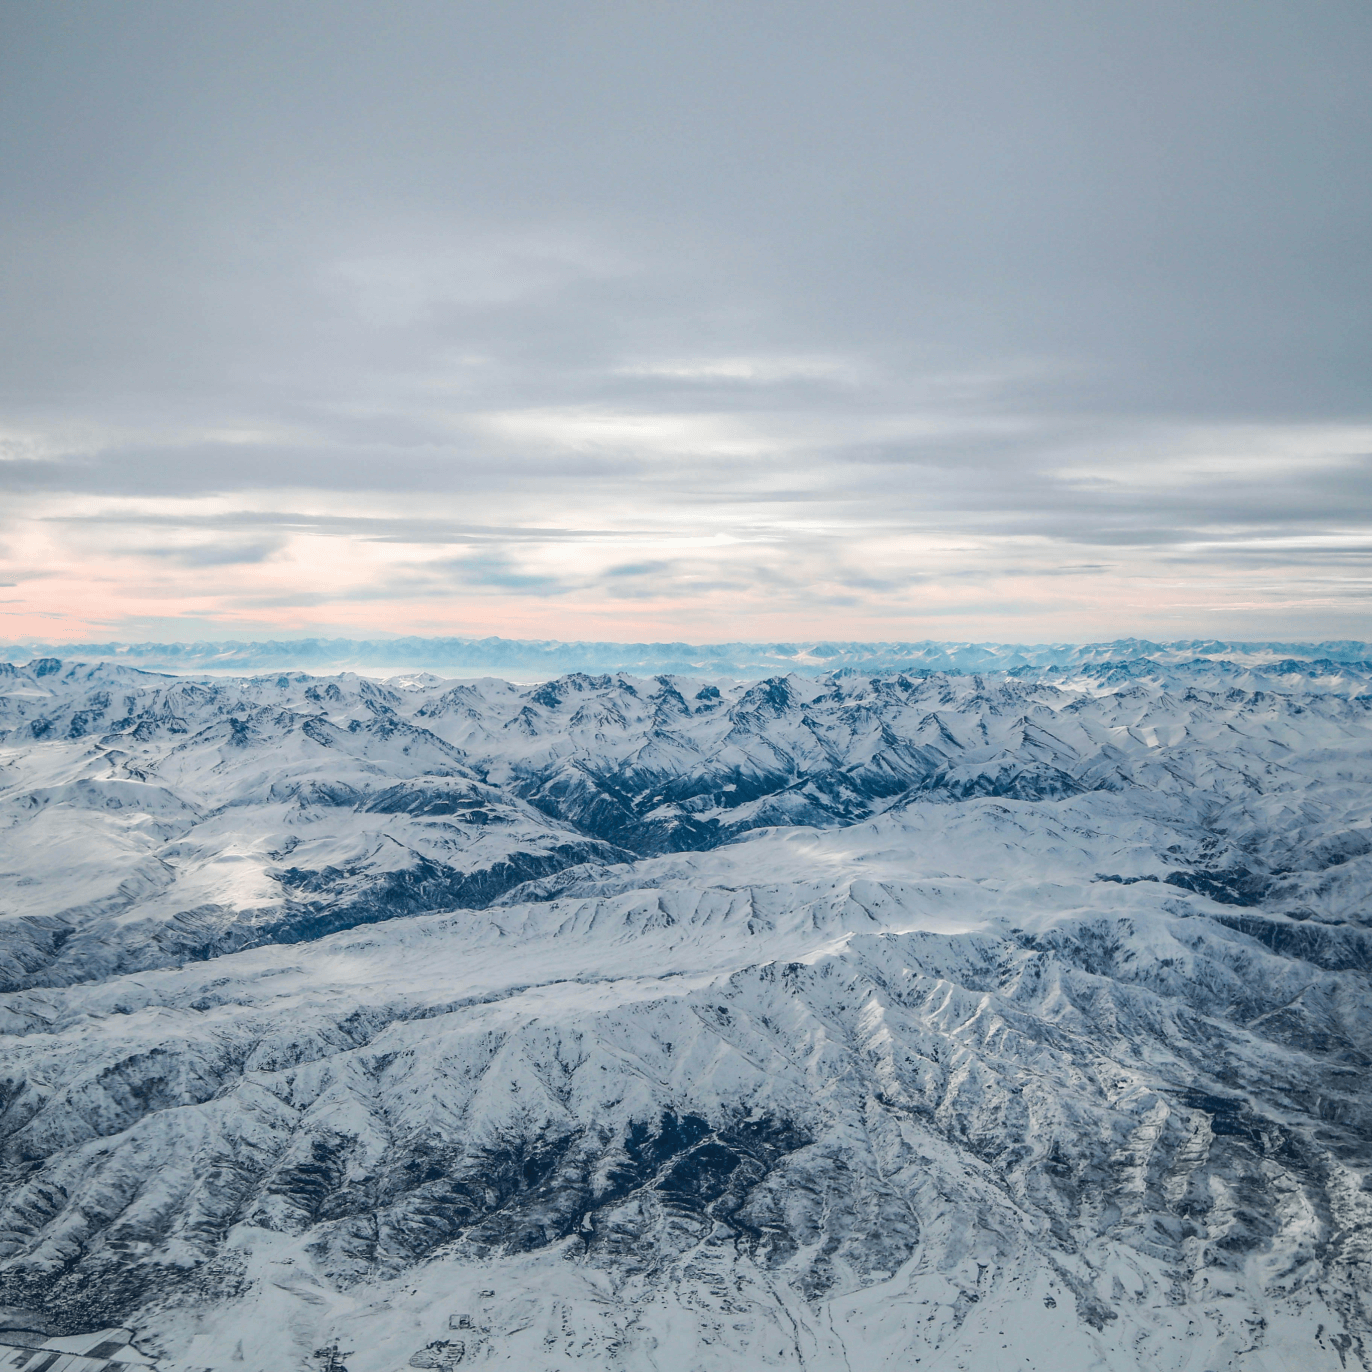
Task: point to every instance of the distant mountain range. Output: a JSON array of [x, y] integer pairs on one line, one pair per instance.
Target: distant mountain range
[[543, 658]]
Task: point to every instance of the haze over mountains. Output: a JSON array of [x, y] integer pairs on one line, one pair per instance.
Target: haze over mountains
[[538, 660], [882, 1019]]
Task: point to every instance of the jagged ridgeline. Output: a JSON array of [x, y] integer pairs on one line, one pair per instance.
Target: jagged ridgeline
[[830, 1019]]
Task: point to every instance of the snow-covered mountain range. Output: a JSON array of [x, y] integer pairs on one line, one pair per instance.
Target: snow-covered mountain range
[[914, 1019]]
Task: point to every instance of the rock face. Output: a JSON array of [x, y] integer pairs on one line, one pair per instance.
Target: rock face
[[914, 1020]]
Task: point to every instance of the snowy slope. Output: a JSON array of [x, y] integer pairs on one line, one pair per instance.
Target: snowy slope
[[937, 1021]]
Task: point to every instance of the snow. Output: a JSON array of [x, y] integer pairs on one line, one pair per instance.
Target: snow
[[952, 1022]]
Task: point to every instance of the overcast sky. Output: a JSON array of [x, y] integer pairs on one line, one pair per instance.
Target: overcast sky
[[686, 321]]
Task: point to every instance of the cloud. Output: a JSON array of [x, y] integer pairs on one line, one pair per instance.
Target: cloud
[[604, 323], [757, 370], [639, 569], [216, 554], [502, 573]]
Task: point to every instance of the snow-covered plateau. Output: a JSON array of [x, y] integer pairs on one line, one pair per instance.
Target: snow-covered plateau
[[937, 1021]]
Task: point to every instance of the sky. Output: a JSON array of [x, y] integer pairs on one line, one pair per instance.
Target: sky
[[686, 321]]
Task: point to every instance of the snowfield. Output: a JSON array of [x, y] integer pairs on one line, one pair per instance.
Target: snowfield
[[956, 1022]]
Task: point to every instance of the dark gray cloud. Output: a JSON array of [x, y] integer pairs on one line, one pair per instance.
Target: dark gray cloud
[[757, 306]]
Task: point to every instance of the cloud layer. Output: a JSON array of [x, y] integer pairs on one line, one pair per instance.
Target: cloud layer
[[701, 322]]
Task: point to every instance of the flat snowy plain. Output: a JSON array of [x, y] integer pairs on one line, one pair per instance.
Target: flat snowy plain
[[929, 1020]]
